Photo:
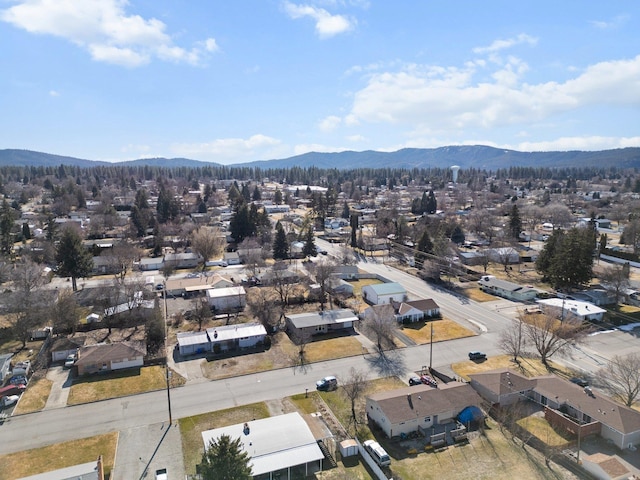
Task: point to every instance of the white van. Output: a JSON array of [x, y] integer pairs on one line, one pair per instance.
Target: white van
[[378, 453]]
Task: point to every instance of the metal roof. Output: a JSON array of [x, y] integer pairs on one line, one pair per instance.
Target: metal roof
[[389, 288], [273, 443], [225, 292], [328, 317], [231, 332]]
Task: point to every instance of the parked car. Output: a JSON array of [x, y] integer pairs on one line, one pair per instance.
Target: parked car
[[9, 400], [18, 380], [159, 286], [69, 361], [161, 474], [327, 384], [475, 355], [415, 381], [12, 390], [583, 382]]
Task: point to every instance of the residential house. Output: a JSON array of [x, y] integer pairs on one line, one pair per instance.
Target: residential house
[[194, 284], [609, 467], [418, 408], [275, 445], [183, 260], [232, 258], [565, 307], [380, 293], [271, 277], [227, 299], [503, 255], [337, 286], [236, 337], [62, 347], [84, 471], [320, 322], [227, 337], [597, 296], [151, 263], [416, 310], [509, 290], [347, 272], [106, 357], [566, 405]]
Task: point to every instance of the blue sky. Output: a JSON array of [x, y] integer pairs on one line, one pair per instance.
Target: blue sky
[[242, 80]]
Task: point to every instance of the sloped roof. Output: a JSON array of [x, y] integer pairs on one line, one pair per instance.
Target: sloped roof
[[68, 343], [106, 352], [598, 406], [423, 305], [328, 317], [389, 288], [273, 443], [422, 400], [232, 332]]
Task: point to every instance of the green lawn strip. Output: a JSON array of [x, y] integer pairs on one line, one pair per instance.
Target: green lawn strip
[[191, 429], [60, 455], [97, 387]]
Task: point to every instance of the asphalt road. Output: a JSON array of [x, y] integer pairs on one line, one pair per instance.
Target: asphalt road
[[124, 414]]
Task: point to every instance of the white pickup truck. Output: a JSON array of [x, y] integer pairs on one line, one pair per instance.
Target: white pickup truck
[[161, 474]]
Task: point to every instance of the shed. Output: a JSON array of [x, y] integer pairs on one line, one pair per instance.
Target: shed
[[348, 448], [225, 299]]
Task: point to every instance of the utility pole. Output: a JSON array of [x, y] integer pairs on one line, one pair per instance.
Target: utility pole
[[166, 352], [431, 348]]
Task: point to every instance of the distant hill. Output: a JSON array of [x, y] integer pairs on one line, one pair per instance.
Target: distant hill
[[474, 156]]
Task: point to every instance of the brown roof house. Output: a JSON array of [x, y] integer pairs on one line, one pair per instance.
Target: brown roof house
[[416, 310], [106, 357], [576, 409], [62, 347], [406, 410]]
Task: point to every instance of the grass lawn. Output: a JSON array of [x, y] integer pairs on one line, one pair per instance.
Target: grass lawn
[[363, 282], [420, 332], [490, 455], [191, 429], [529, 367], [341, 406], [478, 295], [60, 455], [119, 384], [544, 432], [35, 397], [283, 353]]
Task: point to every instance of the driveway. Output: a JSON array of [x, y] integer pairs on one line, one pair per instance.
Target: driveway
[[143, 450], [61, 378]]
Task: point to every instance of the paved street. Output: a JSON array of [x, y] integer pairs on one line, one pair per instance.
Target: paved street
[[142, 419]]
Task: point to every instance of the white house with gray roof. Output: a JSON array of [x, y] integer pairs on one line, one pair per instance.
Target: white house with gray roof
[[321, 322]]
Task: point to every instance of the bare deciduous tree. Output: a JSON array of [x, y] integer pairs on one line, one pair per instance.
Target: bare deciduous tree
[[208, 243], [354, 387], [201, 311], [122, 258], [252, 255], [512, 339], [301, 338], [381, 325], [263, 307], [615, 279], [621, 377], [549, 335], [322, 271]]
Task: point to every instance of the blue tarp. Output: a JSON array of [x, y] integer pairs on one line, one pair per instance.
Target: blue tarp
[[470, 414]]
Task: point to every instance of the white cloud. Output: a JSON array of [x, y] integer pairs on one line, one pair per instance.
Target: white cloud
[[54, 93], [327, 25], [436, 99], [587, 143], [499, 45], [330, 123], [233, 150], [356, 138], [316, 147], [105, 30], [614, 23]]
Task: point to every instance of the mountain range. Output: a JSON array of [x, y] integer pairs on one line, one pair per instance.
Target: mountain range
[[473, 156]]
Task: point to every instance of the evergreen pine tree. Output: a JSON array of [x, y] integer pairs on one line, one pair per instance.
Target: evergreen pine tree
[[280, 244]]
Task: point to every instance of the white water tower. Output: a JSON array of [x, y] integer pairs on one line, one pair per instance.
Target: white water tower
[[454, 172]]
